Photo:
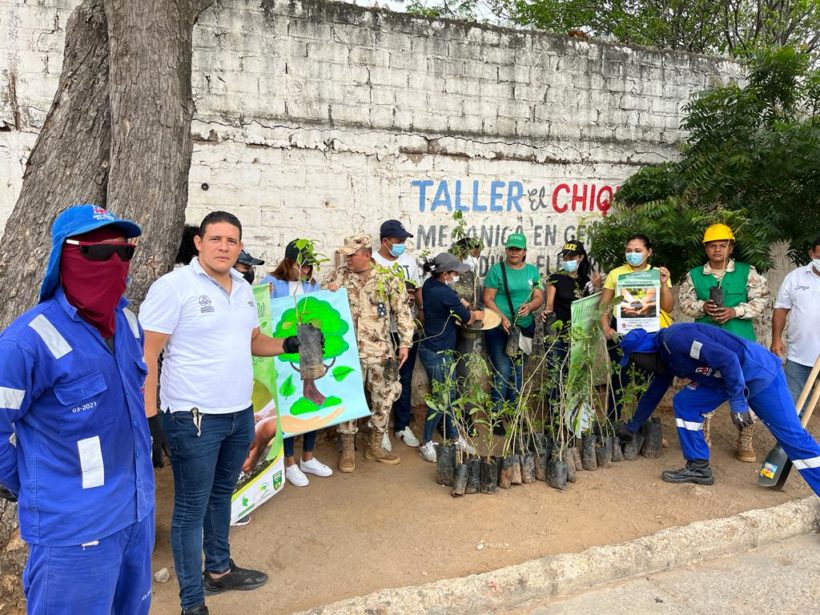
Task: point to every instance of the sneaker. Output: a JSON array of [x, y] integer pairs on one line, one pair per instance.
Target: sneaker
[[386, 445], [428, 452], [697, 472], [408, 437], [242, 521], [199, 609], [241, 579], [465, 447], [314, 466], [296, 477]]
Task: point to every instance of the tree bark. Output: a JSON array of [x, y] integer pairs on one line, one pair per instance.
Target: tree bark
[[69, 162], [124, 96], [151, 111]]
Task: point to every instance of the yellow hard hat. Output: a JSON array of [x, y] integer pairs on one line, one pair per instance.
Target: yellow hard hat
[[718, 232]]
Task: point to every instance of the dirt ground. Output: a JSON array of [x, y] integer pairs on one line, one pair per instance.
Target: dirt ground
[[391, 526]]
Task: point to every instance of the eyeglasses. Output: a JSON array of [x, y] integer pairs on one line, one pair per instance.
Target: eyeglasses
[[104, 251]]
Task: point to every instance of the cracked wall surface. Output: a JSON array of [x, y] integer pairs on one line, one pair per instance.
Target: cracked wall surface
[[320, 119]]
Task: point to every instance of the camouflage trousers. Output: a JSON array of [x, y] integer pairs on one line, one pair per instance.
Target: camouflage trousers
[[381, 389]]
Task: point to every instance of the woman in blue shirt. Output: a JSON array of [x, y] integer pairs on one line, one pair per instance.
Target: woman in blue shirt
[[442, 307], [293, 277]]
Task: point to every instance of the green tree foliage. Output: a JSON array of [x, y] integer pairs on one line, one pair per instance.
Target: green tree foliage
[[752, 161], [737, 27]]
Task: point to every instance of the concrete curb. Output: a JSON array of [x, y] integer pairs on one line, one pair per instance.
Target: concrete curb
[[560, 574]]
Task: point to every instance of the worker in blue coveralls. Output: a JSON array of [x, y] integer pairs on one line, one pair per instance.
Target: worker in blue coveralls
[[80, 462], [721, 367]]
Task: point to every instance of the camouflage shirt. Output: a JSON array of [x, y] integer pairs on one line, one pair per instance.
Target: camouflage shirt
[[757, 291], [375, 297]]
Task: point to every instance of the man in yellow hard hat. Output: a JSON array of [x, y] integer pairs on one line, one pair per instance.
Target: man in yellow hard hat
[[727, 294]]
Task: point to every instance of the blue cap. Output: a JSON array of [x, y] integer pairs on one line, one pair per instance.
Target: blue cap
[[393, 228], [638, 340], [76, 220]]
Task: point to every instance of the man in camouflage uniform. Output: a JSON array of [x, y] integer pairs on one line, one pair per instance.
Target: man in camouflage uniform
[[745, 296], [375, 297]]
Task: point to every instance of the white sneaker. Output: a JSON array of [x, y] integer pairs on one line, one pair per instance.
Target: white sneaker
[[242, 521], [408, 437], [465, 447], [428, 452], [314, 466], [386, 445], [296, 476]]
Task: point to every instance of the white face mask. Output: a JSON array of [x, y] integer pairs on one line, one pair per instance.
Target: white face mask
[[472, 262], [453, 281]]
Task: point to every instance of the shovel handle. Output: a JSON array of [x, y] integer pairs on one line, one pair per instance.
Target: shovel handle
[[815, 396], [804, 394]]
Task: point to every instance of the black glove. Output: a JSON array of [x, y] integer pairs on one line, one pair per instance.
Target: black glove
[[5, 494], [742, 420], [159, 443], [291, 344]]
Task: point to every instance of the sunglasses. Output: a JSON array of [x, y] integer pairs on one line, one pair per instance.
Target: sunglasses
[[104, 251]]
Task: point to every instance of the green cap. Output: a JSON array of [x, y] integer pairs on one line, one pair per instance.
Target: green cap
[[516, 240]]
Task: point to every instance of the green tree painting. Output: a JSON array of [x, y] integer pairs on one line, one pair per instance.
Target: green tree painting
[[312, 311]]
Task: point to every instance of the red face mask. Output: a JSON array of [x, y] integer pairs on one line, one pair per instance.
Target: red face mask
[[94, 287]]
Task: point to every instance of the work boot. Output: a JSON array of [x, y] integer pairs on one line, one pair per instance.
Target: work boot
[[376, 451], [744, 451], [696, 471], [347, 458], [707, 435]]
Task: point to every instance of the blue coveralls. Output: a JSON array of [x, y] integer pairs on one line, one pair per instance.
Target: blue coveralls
[[81, 461], [724, 367]]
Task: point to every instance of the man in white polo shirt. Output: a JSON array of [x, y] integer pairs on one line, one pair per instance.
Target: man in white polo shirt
[[204, 317], [799, 300]]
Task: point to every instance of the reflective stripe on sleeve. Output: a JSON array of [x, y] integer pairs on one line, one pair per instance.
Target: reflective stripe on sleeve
[[51, 337], [11, 399], [690, 425], [806, 464], [91, 462], [132, 322]]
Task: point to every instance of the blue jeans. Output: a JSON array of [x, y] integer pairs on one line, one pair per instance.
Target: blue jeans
[[206, 468], [112, 576], [308, 443], [436, 364], [508, 377], [402, 407], [796, 376]]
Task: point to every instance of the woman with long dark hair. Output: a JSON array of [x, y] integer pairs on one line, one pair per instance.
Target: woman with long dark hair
[[293, 276]]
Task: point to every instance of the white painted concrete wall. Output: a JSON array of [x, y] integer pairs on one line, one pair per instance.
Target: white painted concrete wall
[[320, 119]]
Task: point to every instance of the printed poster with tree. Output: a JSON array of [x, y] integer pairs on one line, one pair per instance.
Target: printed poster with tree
[[330, 390], [307, 401], [640, 304]]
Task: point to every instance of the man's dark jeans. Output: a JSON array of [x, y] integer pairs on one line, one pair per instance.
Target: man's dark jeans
[[206, 468], [402, 407]]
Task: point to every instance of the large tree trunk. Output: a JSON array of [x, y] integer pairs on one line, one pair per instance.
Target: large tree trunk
[[151, 111], [141, 123], [69, 162]]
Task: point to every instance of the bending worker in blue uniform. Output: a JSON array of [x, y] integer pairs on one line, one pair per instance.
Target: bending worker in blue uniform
[[71, 374], [721, 367]]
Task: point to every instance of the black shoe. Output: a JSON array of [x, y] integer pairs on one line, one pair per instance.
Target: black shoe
[[697, 472], [241, 579], [624, 434], [499, 429], [199, 609]]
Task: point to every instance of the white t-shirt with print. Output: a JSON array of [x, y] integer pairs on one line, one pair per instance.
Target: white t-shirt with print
[[800, 293], [207, 362]]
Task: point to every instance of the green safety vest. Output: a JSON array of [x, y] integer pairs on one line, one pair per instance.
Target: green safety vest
[[734, 293]]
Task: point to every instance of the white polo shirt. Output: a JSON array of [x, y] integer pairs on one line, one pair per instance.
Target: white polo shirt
[[800, 293], [207, 362]]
